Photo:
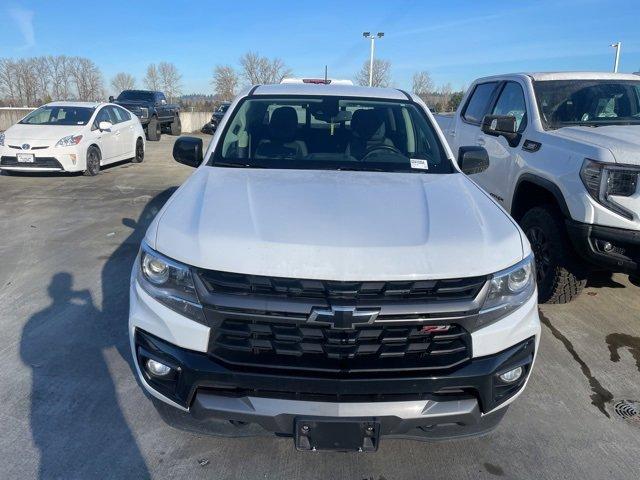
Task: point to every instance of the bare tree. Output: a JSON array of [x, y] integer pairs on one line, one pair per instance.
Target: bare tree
[[381, 74], [152, 78], [262, 70], [87, 79], [60, 72], [225, 82], [123, 81], [8, 79], [422, 84], [170, 80]]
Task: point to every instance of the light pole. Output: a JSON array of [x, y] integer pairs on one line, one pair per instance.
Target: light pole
[[371, 37], [617, 46]]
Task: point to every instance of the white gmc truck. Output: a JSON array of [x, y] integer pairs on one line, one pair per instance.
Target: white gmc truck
[[564, 153], [330, 273]]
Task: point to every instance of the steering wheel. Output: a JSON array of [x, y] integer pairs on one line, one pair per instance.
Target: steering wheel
[[388, 148]]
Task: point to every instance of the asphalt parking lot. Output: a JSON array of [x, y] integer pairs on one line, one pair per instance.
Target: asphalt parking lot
[[70, 406]]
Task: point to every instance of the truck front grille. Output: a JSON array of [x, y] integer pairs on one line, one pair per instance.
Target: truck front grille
[[371, 348]]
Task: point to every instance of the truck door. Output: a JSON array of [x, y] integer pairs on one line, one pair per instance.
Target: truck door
[[466, 129], [161, 106], [498, 180]]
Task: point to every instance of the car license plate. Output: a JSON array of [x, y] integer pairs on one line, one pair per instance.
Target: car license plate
[[340, 435], [25, 157]]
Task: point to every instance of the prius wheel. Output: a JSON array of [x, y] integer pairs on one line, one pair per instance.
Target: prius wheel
[[558, 273], [93, 162], [139, 157]]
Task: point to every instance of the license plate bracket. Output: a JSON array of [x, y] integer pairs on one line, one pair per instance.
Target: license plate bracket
[[336, 435], [25, 157]]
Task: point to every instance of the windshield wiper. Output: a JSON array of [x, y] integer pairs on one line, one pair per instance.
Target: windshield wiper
[[235, 165]]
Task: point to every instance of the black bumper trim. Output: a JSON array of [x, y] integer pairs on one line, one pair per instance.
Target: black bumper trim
[[584, 238], [198, 371]]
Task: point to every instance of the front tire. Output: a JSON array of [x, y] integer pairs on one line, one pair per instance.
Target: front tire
[[560, 279], [154, 130], [176, 126], [93, 162], [139, 153]]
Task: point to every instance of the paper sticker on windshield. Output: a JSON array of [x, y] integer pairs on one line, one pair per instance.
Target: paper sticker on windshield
[[419, 164]]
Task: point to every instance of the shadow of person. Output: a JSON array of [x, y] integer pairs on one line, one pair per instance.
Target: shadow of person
[[76, 421], [117, 271]]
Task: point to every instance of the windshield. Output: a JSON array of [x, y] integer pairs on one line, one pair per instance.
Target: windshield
[[58, 115], [588, 102], [331, 133], [136, 95]]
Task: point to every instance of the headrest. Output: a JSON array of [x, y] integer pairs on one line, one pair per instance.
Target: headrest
[[283, 124], [368, 124]]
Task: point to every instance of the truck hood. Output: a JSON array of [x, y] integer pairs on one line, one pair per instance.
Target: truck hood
[[332, 225], [622, 140], [22, 133]]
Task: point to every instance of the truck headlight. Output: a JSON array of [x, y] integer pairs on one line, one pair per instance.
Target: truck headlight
[[69, 141], [144, 112], [604, 180], [169, 282], [509, 289]]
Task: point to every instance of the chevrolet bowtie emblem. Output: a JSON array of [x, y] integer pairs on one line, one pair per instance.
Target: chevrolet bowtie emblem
[[345, 318]]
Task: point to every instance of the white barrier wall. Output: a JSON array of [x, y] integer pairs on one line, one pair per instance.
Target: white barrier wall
[[191, 121]]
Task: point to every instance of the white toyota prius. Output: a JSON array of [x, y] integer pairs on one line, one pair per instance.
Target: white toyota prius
[[72, 137]]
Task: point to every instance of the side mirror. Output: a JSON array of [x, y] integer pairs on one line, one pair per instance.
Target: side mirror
[[188, 151], [502, 125], [105, 126], [111, 98], [473, 160]]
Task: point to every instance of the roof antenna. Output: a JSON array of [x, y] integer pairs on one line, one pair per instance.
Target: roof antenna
[[325, 75]]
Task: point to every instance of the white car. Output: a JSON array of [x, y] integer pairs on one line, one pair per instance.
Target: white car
[[330, 273], [565, 162], [72, 137]]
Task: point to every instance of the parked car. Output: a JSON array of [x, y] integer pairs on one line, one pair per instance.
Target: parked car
[[72, 137], [565, 161], [329, 273], [210, 127], [155, 114]]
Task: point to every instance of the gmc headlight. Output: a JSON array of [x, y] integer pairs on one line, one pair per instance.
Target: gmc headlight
[[169, 282], [509, 289], [604, 180], [1, 139], [69, 141]]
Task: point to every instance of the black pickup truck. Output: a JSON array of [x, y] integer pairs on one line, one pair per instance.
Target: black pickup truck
[[155, 114]]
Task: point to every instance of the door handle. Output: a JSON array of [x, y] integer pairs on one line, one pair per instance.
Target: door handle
[[481, 141], [118, 132]]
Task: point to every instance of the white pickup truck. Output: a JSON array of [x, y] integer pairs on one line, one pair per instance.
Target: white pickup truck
[[564, 154]]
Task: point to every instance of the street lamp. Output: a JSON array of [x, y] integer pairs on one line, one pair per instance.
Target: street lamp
[[371, 37], [617, 46]]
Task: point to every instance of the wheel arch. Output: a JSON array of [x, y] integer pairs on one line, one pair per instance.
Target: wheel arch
[[532, 190]]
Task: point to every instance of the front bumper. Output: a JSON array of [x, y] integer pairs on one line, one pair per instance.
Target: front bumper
[[589, 240], [52, 159], [465, 401]]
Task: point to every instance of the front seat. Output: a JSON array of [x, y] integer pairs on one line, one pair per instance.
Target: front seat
[[282, 141], [367, 132]]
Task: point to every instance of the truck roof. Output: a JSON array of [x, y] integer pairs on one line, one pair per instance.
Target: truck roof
[[542, 76], [332, 90]]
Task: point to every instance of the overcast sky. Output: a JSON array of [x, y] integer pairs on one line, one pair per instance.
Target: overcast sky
[[456, 41]]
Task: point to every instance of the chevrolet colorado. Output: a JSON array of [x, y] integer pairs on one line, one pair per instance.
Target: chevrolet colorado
[[330, 273], [565, 161]]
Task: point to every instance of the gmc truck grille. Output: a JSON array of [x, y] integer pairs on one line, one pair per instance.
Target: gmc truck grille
[[367, 349], [425, 290]]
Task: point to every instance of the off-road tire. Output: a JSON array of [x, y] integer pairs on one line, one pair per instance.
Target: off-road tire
[[154, 130], [139, 152], [176, 126], [559, 274], [93, 162]]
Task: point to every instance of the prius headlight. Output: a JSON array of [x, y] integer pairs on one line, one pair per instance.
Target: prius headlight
[[69, 141], [508, 290], [169, 282]]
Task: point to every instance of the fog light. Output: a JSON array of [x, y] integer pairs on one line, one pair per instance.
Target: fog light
[[158, 369], [512, 375]]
